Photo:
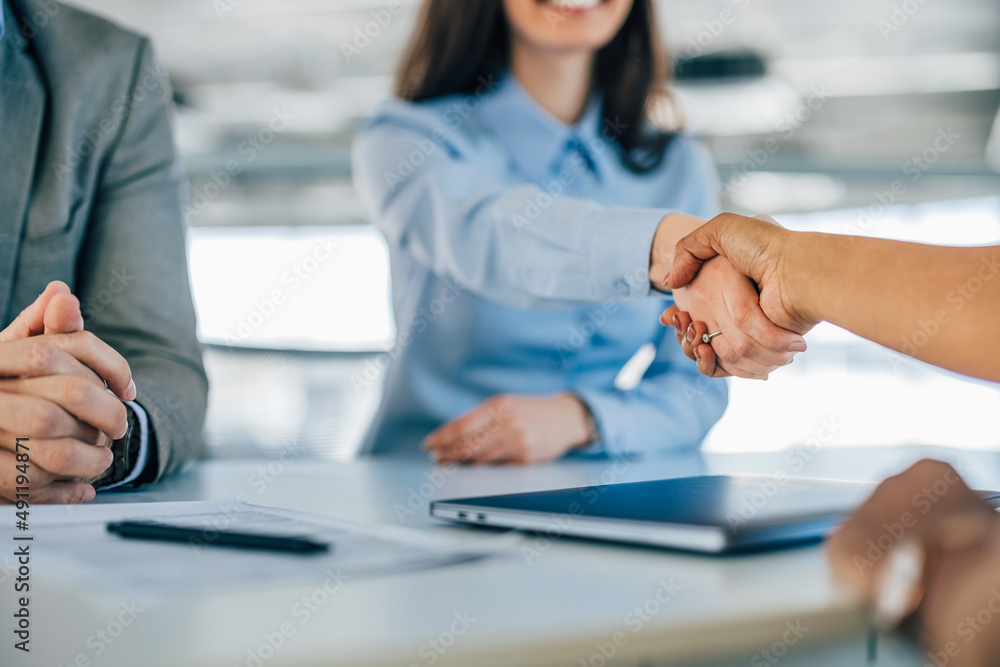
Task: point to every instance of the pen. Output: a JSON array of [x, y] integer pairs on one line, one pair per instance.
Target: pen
[[151, 530]]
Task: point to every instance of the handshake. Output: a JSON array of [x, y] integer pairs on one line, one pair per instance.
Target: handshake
[[746, 290], [742, 316]]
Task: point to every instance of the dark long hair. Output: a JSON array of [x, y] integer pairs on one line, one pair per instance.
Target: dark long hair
[[458, 44]]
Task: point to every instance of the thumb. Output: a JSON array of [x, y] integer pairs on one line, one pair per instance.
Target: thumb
[[691, 252], [63, 315], [31, 321]]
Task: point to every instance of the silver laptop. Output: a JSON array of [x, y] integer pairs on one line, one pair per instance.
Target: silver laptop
[[708, 514]]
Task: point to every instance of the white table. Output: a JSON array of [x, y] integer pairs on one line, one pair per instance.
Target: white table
[[561, 608]]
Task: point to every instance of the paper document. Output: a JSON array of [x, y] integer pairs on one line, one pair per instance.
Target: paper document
[[72, 544]]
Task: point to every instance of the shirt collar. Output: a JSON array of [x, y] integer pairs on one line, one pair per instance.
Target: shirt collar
[[539, 143]]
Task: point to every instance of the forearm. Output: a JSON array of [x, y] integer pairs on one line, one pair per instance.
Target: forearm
[[507, 241], [937, 304], [174, 396]]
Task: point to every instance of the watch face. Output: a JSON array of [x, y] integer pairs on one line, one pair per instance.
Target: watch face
[[125, 450]]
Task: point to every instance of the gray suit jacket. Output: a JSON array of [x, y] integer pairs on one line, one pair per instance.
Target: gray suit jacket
[[90, 195]]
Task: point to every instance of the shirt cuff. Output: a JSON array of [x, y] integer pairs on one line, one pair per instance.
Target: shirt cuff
[[599, 405], [620, 252], [142, 423]]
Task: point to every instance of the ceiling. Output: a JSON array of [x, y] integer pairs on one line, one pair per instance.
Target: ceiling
[[855, 89]]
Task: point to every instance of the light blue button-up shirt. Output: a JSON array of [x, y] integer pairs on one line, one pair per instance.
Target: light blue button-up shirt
[[520, 259]]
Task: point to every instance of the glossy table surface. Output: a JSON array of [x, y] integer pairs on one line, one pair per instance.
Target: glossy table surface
[[543, 600]]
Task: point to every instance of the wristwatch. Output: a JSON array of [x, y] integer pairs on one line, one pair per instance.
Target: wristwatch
[[125, 450]]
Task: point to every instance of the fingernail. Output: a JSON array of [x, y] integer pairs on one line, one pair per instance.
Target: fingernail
[[666, 278], [696, 355], [690, 333], [88, 495], [677, 322], [131, 391], [790, 361], [797, 346]]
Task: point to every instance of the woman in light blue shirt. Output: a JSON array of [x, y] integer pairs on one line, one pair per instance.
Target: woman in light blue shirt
[[521, 187]]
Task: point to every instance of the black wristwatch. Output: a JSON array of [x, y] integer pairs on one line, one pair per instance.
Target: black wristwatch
[[125, 450]]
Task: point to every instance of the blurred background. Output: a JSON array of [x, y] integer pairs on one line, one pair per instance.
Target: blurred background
[[873, 117]]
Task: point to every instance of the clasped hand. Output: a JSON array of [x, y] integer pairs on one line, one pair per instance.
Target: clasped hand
[[757, 324], [63, 389]]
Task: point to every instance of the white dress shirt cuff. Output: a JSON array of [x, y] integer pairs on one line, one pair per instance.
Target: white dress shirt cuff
[[142, 423]]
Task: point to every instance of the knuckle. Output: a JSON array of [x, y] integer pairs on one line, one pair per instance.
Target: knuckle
[[85, 337], [744, 347], [927, 470], [43, 420], [502, 402], [75, 391], [741, 316], [121, 415], [42, 355], [59, 458], [729, 355]]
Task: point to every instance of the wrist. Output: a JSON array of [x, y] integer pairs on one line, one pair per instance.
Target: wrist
[[581, 427], [802, 276], [670, 231]]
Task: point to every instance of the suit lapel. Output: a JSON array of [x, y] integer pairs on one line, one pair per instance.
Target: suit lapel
[[22, 110]]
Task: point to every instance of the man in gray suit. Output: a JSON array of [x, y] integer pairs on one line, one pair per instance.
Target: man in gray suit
[[90, 196]]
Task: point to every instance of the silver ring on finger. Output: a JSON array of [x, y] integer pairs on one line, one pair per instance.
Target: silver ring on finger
[[707, 337]]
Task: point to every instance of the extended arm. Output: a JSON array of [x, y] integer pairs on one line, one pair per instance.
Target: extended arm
[[438, 197], [937, 304]]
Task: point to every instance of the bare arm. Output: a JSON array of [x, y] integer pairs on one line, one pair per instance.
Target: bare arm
[[937, 304]]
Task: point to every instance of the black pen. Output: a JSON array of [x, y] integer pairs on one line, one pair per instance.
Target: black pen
[[151, 530]]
